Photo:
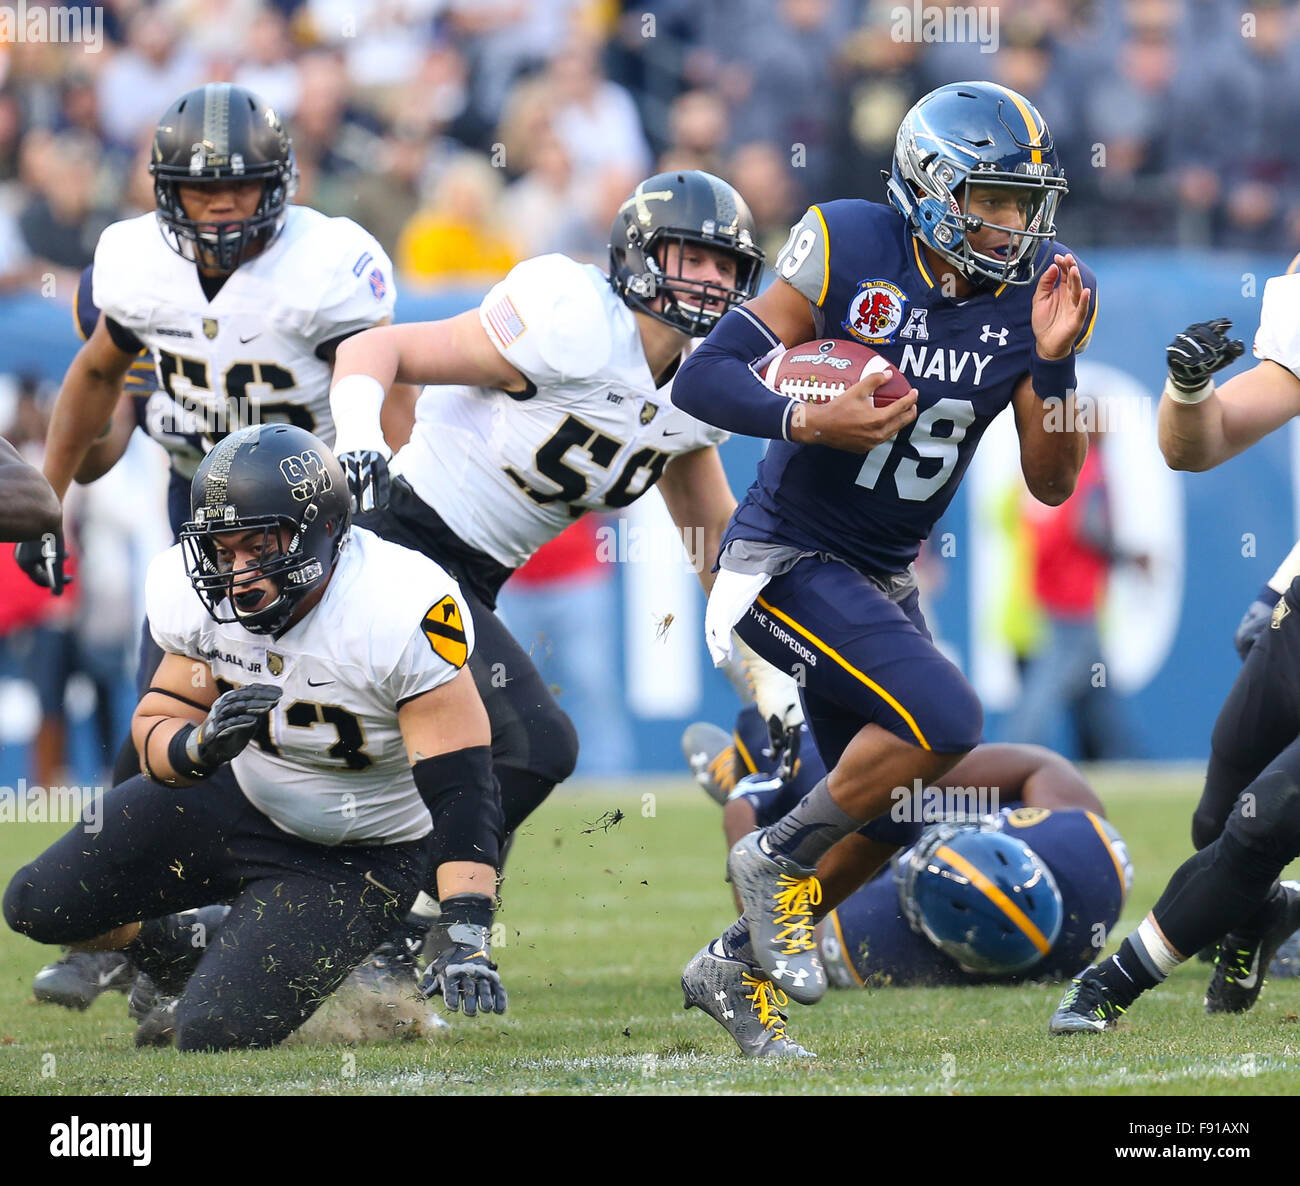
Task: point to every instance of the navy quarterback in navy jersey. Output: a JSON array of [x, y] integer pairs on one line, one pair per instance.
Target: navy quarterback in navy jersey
[[962, 286]]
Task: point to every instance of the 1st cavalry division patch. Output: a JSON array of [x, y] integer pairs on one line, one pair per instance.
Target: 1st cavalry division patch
[[446, 632]]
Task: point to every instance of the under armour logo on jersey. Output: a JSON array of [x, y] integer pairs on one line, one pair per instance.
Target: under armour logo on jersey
[[988, 334], [783, 970], [721, 998], [916, 326]]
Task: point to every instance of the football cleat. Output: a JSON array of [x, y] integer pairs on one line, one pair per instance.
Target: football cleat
[[712, 759], [1241, 965], [80, 976], [153, 1012], [778, 896], [1086, 1007], [746, 1006]]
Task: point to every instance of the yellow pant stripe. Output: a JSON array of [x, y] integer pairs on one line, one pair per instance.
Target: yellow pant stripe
[[853, 671]]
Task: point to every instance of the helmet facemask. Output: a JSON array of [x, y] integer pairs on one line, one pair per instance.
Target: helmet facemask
[[292, 571], [222, 245], [685, 304]]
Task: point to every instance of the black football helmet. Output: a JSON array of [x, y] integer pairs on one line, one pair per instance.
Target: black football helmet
[[221, 132], [268, 477], [686, 207]]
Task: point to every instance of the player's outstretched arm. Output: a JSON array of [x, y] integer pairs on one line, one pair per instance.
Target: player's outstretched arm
[[695, 490], [1227, 420], [108, 448], [91, 390], [448, 741], [29, 507], [376, 369]]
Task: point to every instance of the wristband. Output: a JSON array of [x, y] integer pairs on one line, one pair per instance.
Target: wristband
[[355, 401], [474, 910], [1052, 378], [181, 759], [1179, 396]]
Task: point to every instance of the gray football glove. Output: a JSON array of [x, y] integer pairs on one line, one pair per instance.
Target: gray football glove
[[230, 724], [463, 972]]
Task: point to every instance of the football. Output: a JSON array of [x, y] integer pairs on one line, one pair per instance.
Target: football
[[818, 371]]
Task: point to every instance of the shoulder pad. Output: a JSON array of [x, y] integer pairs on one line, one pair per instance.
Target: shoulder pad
[[337, 273], [1278, 337], [122, 284], [550, 318]]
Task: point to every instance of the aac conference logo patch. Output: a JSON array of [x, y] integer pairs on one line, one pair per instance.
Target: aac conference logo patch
[[876, 311]]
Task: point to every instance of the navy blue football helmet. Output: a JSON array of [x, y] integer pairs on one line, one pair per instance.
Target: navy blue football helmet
[[983, 134], [984, 898]]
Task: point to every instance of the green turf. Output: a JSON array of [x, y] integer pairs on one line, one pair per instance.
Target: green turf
[[598, 928]]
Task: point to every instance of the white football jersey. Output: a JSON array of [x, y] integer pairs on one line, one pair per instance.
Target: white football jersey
[[249, 354], [331, 767], [508, 472], [1278, 337]]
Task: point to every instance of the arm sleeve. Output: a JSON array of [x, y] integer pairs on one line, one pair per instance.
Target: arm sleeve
[[717, 384]]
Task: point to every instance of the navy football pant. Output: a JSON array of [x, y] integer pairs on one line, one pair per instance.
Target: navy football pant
[[302, 915], [861, 659]]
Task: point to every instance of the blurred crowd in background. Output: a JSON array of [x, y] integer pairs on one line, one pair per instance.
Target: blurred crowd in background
[[469, 134]]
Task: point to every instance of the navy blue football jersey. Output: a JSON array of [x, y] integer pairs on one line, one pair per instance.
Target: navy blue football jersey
[[867, 941], [863, 272]]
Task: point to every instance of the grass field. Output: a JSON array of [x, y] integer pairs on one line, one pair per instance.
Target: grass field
[[599, 923]]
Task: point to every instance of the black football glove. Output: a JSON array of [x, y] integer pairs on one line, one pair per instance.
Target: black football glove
[[463, 972], [230, 724], [1200, 350], [368, 480], [784, 742], [1252, 625], [42, 560]]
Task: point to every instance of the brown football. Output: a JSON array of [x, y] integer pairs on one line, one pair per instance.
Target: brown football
[[817, 372]]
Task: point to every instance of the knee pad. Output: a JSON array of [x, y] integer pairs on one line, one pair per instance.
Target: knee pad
[[553, 744], [1266, 817], [1206, 827]]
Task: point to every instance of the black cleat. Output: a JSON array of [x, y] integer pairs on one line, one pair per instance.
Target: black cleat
[[1242, 964], [391, 968], [153, 1012], [1085, 1008], [711, 755], [80, 976]]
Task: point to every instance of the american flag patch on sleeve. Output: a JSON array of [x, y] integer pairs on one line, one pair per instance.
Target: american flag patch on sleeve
[[505, 321]]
